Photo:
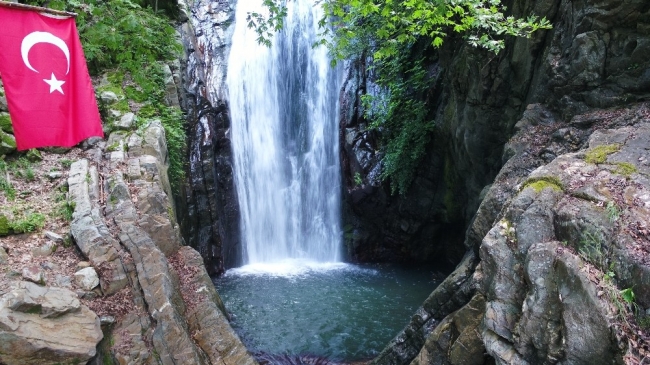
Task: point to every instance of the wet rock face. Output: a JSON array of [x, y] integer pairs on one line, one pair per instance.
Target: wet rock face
[[210, 209], [590, 59]]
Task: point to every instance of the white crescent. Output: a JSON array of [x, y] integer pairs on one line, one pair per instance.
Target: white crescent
[[42, 37]]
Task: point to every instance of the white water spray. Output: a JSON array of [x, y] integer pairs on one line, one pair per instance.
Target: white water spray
[[283, 104]]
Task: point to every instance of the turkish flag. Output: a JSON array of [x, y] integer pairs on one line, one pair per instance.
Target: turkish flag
[[50, 96]]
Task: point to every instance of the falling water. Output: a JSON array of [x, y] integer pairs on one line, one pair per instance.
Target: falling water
[[283, 107]]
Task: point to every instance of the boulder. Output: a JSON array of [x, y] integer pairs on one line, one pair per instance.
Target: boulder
[[46, 326], [108, 97], [46, 250], [54, 237], [7, 143], [86, 278], [150, 142], [126, 122], [34, 274], [49, 302]]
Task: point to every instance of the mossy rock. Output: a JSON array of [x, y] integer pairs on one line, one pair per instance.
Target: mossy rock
[[4, 225], [5, 123], [7, 143], [598, 154], [34, 155], [625, 168], [541, 183]]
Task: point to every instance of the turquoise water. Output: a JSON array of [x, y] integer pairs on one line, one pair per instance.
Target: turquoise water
[[337, 311]]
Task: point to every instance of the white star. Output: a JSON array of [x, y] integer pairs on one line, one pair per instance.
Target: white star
[[54, 84]]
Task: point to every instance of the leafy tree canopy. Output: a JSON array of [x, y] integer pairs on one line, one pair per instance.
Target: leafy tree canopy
[[395, 33], [391, 24]]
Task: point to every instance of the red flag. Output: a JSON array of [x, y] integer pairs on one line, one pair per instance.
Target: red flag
[[48, 89]]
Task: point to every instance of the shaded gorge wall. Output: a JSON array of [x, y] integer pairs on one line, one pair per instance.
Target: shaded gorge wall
[[210, 212]]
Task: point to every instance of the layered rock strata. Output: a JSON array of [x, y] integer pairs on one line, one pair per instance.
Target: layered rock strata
[[210, 209], [566, 240], [560, 230], [155, 302]]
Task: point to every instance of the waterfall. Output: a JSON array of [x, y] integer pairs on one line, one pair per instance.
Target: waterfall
[[283, 104]]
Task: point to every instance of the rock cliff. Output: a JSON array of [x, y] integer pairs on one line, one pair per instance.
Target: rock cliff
[[590, 59], [558, 243], [535, 181], [209, 208]]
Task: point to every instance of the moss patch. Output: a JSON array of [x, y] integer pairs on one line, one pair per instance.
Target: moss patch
[[624, 168], [5, 123], [598, 154], [4, 225], [540, 183]]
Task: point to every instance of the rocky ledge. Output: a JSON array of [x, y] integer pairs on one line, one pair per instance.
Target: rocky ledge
[[561, 274]]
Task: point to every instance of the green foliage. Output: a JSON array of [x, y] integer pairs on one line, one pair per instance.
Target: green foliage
[[23, 168], [628, 295], [613, 213], [398, 35], [5, 181], [66, 163], [591, 249], [266, 25], [358, 181], [393, 24], [172, 121], [26, 222], [624, 168], [4, 225], [401, 115], [121, 34], [65, 208], [540, 185], [598, 154]]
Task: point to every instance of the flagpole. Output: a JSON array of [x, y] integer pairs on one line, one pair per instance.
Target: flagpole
[[37, 8]]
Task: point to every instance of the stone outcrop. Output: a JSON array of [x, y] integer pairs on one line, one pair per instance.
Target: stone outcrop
[[558, 236], [158, 326], [565, 239], [140, 296], [89, 230], [40, 325]]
